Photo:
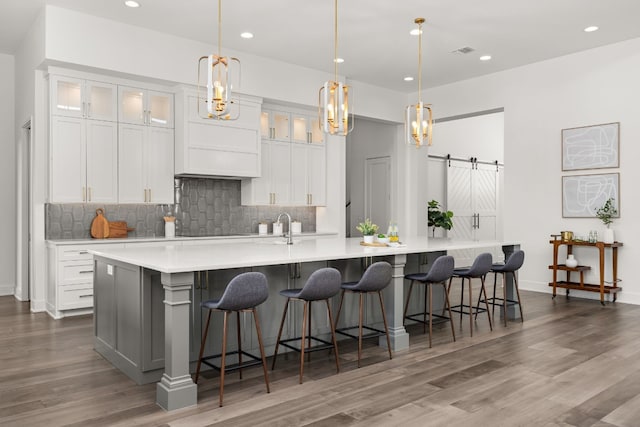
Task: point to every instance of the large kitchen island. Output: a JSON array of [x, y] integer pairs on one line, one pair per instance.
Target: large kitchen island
[[146, 299]]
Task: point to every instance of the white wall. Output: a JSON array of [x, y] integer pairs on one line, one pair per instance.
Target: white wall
[[7, 175], [28, 56], [539, 100]]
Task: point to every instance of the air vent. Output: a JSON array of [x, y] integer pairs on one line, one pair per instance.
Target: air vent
[[463, 50]]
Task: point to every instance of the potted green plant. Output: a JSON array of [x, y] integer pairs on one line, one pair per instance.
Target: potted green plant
[[606, 213], [437, 217], [368, 230]]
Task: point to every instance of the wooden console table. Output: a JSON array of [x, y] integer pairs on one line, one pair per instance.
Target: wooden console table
[[581, 286]]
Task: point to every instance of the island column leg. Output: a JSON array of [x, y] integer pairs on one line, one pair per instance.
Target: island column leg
[[511, 313], [176, 389], [394, 306]]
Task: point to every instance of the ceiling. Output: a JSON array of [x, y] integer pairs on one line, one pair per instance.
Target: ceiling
[[374, 35]]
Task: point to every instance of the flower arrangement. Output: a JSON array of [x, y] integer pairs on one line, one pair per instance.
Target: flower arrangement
[[607, 212], [367, 228]]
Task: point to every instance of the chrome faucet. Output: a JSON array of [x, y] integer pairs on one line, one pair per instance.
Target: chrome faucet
[[289, 239]]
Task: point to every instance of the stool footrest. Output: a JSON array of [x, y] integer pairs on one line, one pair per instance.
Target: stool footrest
[[437, 318], [492, 301], [324, 345], [375, 332], [235, 366], [460, 309]]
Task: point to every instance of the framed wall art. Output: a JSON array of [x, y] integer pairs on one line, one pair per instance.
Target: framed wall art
[[591, 147], [582, 195]]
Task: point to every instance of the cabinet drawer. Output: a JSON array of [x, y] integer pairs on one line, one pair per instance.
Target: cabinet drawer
[[73, 253], [75, 296], [75, 272]]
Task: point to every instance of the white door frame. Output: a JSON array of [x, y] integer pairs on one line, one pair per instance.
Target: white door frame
[[24, 214], [386, 193]]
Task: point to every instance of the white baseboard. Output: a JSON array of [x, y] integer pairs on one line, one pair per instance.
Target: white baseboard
[[38, 306], [7, 289]]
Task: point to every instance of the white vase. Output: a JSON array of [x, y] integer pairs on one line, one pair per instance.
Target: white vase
[[571, 261], [368, 239], [607, 236]]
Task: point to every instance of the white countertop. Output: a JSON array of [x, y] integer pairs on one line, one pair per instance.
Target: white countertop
[[176, 258]]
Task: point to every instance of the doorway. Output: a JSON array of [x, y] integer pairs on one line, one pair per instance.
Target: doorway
[[24, 192], [377, 186]]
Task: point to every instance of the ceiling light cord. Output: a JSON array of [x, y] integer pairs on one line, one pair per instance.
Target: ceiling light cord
[[335, 40]]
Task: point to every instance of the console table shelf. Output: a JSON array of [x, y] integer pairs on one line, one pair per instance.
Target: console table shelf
[[580, 285]]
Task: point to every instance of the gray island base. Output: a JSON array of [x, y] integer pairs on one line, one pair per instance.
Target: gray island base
[[148, 321]]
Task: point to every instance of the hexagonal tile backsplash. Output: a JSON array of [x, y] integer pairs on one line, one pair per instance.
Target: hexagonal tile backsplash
[[207, 207]]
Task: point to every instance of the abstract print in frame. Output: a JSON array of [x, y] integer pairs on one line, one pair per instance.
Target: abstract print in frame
[[582, 195], [591, 147]]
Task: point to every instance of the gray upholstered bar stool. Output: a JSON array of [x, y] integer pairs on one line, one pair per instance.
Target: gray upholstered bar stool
[[478, 270], [374, 280], [243, 293], [322, 285], [512, 265], [439, 274]]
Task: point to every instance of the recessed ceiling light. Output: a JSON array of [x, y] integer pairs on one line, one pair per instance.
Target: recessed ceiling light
[[414, 32], [131, 3], [591, 29], [246, 35], [338, 60], [408, 79], [485, 57]]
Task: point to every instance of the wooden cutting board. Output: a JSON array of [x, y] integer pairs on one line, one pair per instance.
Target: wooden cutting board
[[99, 225], [119, 229]]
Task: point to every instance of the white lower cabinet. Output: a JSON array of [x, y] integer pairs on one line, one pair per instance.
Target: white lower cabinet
[[70, 280]]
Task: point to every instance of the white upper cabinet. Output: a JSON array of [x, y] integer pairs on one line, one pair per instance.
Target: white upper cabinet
[[275, 125], [145, 164], [83, 141], [145, 107], [73, 97], [306, 129]]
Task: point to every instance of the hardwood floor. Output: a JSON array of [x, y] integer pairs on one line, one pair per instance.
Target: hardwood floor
[[572, 363]]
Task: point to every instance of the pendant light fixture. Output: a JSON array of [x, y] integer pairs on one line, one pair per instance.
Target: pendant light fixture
[[333, 102], [419, 117], [215, 103]]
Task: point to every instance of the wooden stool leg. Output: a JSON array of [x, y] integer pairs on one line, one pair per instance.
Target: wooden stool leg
[[484, 291], [360, 327], [386, 327], [202, 344], [309, 334], [424, 314], [239, 342], [515, 283], [333, 335], [264, 360], [504, 297], [430, 310], [224, 355], [304, 326], [275, 353], [448, 303], [470, 306]]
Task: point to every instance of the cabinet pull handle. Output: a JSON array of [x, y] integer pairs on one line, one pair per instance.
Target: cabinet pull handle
[[89, 196], [478, 220], [88, 109], [82, 112], [206, 280], [85, 296], [310, 199], [149, 195], [83, 252], [196, 280], [85, 271], [84, 194]]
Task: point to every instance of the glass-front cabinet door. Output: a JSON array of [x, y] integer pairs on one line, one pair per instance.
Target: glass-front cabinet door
[[132, 106], [275, 125], [306, 129], [160, 109], [71, 97]]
